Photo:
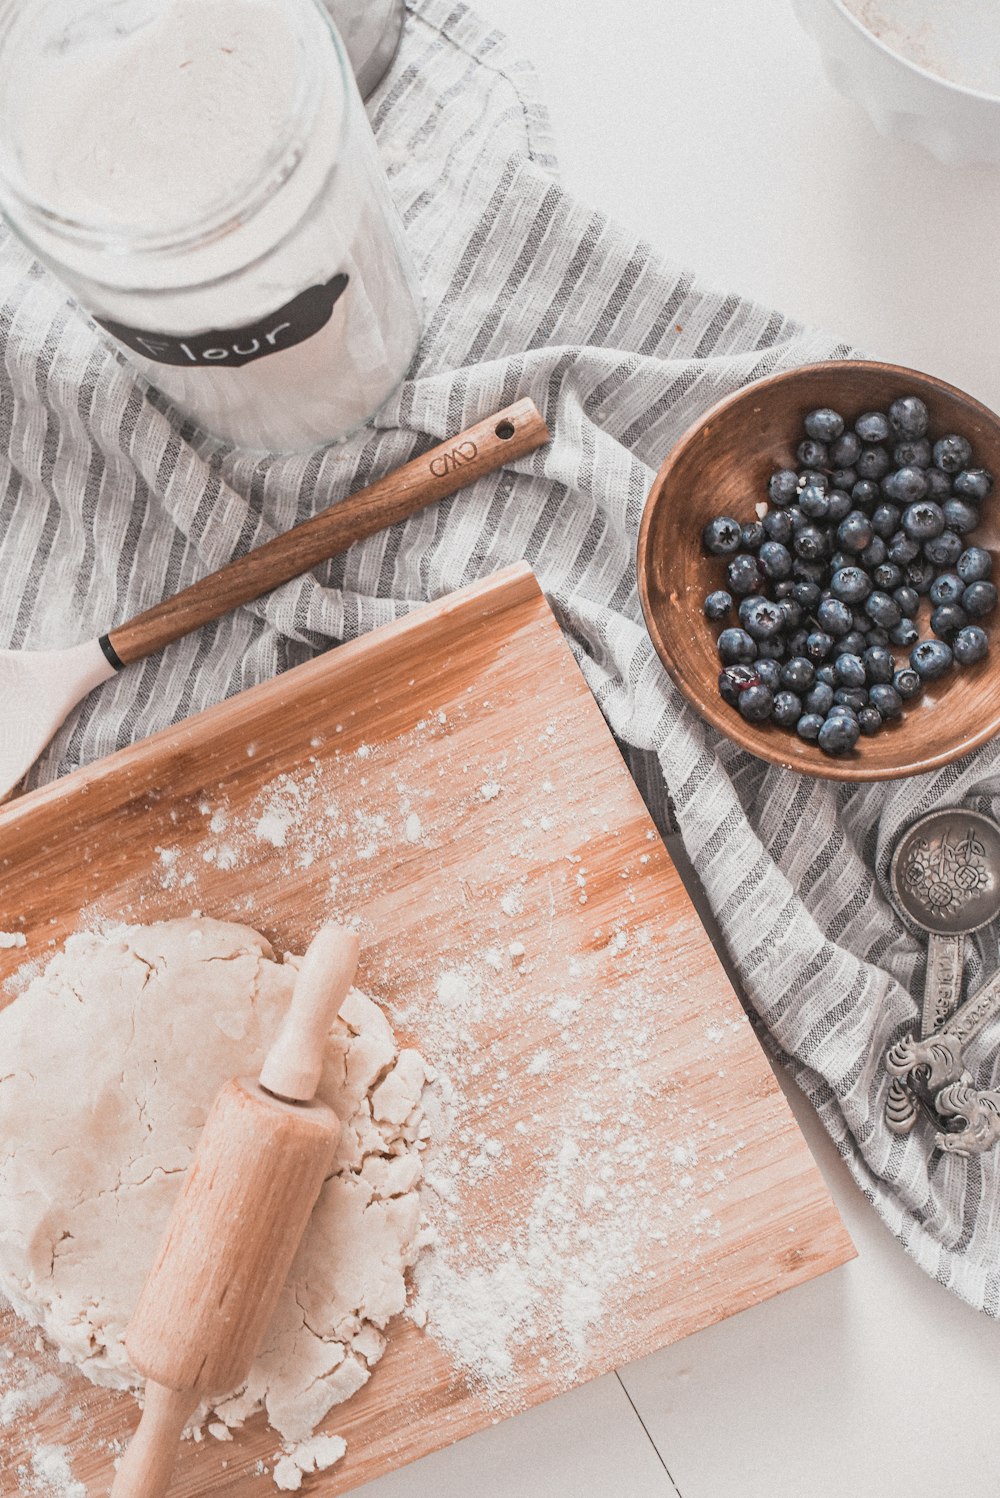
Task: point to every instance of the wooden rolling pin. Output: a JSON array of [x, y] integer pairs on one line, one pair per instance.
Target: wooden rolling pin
[[264, 1152]]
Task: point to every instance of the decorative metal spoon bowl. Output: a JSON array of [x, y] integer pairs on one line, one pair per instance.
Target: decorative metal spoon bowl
[[945, 880]]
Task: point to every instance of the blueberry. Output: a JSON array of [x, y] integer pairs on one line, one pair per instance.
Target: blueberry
[[973, 483], [854, 698], [962, 516], [824, 425], [907, 682], [819, 699], [775, 560], [938, 485], [783, 486], [808, 571], [784, 589], [885, 520], [947, 619], [751, 535], [813, 502], [797, 519], [970, 645], [874, 463], [787, 709], [879, 665], [919, 575], [914, 453], [818, 646], [908, 417], [839, 735], [850, 671], [905, 486], [853, 643], [826, 674], [887, 576], [850, 584], [771, 650], [866, 494], [718, 604], [877, 636], [886, 699], [979, 599], [834, 617], [948, 587], [806, 594], [798, 674], [839, 504], [761, 617], [756, 704], [944, 550], [813, 454], [842, 559], [902, 549], [778, 526], [811, 543], [769, 672], [974, 565], [931, 659], [736, 648], [875, 553], [734, 680], [952, 453], [923, 520], [845, 450], [855, 532], [907, 598], [843, 478], [869, 721], [797, 647], [813, 476], [904, 633], [873, 426], [744, 575], [721, 536], [843, 710], [791, 614], [808, 727]]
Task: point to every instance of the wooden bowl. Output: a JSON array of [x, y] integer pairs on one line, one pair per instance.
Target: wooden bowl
[[721, 467]]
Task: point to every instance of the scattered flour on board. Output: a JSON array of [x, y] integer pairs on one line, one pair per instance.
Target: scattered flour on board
[[50, 1474], [12, 939], [546, 1206]]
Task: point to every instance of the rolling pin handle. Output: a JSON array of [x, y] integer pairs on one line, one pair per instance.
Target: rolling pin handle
[[146, 1467], [293, 1065]]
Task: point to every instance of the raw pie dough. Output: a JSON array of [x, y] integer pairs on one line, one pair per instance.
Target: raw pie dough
[[109, 1061]]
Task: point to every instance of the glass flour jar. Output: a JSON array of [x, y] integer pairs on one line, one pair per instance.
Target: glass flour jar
[[202, 174]]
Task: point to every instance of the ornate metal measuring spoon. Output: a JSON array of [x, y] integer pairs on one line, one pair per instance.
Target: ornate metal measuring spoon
[[945, 879]]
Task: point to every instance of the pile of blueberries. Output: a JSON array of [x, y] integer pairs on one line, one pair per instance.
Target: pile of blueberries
[[830, 579]]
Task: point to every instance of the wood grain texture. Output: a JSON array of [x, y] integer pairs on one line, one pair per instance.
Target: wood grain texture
[[489, 444], [476, 690], [233, 1233], [721, 467]]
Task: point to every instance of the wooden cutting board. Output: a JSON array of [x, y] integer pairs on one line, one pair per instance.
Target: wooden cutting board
[[483, 823]]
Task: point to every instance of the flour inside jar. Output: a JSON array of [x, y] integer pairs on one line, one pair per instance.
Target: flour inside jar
[[202, 174]]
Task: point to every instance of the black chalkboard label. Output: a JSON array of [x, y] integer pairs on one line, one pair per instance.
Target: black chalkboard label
[[293, 323]]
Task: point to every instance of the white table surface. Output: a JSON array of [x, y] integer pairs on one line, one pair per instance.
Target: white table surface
[[708, 126]]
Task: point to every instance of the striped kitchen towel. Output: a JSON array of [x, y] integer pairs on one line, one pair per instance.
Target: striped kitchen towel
[[110, 501]]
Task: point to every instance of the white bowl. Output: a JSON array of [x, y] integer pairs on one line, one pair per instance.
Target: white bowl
[[956, 122]]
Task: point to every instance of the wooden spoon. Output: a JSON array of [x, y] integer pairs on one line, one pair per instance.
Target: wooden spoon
[[39, 688]]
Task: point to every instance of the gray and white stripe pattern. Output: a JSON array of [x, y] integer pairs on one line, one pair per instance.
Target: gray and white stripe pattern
[[111, 501]]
